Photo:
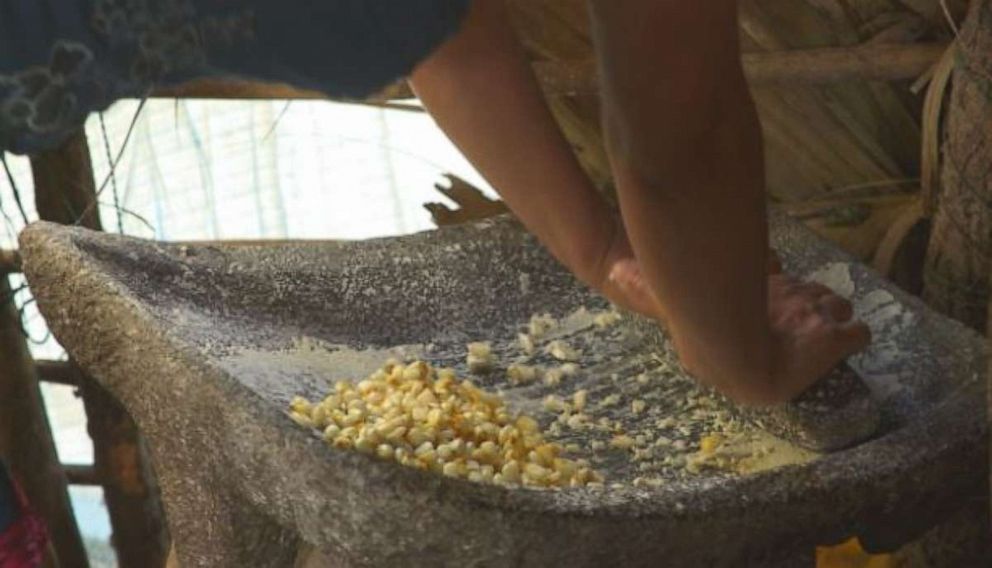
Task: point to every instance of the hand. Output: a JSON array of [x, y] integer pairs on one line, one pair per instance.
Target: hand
[[625, 284], [812, 327], [621, 281], [813, 330]]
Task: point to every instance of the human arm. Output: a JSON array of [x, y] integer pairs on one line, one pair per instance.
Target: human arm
[[686, 150], [480, 89]]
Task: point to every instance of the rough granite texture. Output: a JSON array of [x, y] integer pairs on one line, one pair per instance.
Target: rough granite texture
[[244, 486]]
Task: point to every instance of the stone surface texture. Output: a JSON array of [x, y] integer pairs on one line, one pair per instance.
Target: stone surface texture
[[244, 486]]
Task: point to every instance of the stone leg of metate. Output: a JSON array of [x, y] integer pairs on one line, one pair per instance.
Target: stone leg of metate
[[225, 531], [964, 539]]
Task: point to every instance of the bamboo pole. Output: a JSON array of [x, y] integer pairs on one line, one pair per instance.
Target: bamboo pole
[[65, 193], [26, 443], [871, 62]]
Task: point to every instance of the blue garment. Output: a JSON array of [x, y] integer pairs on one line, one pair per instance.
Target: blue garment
[[8, 501], [62, 59]]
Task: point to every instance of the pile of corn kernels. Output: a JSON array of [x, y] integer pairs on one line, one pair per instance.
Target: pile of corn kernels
[[425, 418]]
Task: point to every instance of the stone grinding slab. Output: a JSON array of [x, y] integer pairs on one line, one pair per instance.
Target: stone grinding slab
[[203, 345]]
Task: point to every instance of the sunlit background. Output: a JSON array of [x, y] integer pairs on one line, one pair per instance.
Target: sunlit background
[[229, 170]]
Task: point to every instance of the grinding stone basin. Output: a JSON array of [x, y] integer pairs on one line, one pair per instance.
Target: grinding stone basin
[[157, 325]]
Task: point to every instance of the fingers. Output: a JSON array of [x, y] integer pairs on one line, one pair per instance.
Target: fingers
[[817, 290], [851, 338], [774, 262], [635, 294], [835, 307], [626, 273]]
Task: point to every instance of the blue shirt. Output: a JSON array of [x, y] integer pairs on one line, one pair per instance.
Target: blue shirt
[[62, 59]]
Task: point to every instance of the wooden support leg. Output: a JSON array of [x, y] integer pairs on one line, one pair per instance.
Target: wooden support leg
[[26, 438]]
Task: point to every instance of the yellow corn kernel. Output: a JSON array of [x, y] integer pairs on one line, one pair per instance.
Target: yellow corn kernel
[[511, 472], [604, 320], [622, 442], [416, 371], [452, 469], [579, 400], [417, 436], [526, 344], [546, 454], [536, 472], [385, 451], [553, 377], [521, 374], [300, 405], [541, 324], [553, 404], [576, 421], [480, 358], [364, 445], [527, 425], [353, 417], [562, 351], [709, 444], [396, 435], [332, 431], [301, 419]]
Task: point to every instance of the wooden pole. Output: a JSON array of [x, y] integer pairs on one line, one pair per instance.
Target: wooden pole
[[871, 62], [10, 261], [956, 275], [65, 193], [26, 443], [57, 372], [81, 475]]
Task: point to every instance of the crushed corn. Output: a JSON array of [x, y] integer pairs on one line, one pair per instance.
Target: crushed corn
[[562, 351], [622, 442], [428, 420], [520, 375], [609, 400], [480, 357], [553, 404], [541, 324], [606, 319], [553, 377], [580, 399], [709, 444], [526, 344]]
